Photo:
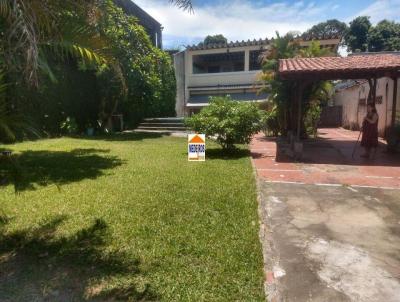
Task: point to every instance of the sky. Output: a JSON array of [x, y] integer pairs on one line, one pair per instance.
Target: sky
[[255, 19]]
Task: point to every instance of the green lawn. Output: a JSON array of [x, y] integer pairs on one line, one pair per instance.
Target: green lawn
[[128, 217]]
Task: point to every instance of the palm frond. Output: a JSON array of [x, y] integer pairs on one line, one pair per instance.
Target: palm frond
[[12, 122], [183, 4]]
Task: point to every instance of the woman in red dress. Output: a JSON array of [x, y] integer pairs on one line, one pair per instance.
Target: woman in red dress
[[370, 131]]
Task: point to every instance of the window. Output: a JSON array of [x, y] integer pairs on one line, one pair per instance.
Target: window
[[220, 62], [255, 59]]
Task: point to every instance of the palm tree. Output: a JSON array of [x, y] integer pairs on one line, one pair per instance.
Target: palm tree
[[281, 91]]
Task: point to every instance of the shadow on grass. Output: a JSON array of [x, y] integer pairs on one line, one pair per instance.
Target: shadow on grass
[[37, 265], [43, 168], [127, 136], [227, 154]]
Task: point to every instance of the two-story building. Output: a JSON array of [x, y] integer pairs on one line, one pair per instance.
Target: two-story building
[[151, 25], [231, 69], [217, 69]]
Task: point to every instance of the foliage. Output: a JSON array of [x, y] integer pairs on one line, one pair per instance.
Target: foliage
[[326, 30], [69, 126], [356, 38], [270, 122], [87, 60], [312, 117], [385, 36], [148, 72], [280, 92], [13, 124], [156, 222], [216, 39], [231, 122]]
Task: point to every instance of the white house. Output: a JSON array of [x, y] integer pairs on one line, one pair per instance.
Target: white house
[[220, 69]]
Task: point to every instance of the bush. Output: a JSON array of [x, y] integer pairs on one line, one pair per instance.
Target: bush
[[230, 122], [69, 126], [312, 117], [270, 122]]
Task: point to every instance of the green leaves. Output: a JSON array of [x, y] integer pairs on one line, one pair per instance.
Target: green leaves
[[231, 122]]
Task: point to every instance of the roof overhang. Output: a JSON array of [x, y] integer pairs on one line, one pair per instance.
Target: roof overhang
[[335, 68]]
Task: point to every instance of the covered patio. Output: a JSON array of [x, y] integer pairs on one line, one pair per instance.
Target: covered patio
[[304, 71]]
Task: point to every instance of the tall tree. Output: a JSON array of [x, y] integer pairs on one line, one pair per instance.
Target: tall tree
[[325, 30], [356, 38], [385, 36], [216, 39]]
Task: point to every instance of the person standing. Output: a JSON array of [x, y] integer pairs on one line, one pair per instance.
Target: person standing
[[370, 130]]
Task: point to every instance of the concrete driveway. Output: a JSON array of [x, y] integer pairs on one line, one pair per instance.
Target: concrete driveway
[[329, 232], [330, 243]]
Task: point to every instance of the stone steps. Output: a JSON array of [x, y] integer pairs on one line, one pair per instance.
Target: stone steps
[[162, 124]]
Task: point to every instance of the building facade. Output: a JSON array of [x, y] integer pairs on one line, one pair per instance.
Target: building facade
[[353, 97], [151, 25], [234, 69]]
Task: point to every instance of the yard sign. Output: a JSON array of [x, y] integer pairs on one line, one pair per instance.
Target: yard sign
[[196, 147]]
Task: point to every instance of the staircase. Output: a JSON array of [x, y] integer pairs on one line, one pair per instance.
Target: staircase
[[165, 124]]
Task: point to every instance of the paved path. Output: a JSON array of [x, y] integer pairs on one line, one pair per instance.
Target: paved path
[[323, 240], [327, 161]]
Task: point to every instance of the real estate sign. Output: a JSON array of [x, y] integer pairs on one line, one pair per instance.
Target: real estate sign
[[196, 147]]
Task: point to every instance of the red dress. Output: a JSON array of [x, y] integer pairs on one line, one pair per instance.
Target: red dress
[[370, 134]]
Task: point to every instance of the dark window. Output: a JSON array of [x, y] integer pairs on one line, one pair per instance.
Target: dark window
[[255, 60], [221, 62]]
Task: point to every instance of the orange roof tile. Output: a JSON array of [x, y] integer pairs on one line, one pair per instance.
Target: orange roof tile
[[340, 67]]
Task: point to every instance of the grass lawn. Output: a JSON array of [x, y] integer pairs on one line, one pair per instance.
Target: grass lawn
[[128, 217]]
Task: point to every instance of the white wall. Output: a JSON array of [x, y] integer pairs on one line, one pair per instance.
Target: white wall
[[222, 78], [179, 65], [353, 113]]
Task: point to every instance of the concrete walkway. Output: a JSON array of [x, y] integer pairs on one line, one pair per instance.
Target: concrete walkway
[[329, 233]]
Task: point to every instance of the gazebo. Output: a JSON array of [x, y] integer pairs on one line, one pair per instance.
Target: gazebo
[[371, 67]]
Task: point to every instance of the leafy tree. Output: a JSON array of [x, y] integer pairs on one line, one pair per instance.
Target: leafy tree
[[356, 38], [280, 91], [216, 39], [385, 36], [231, 122], [282, 47], [326, 30]]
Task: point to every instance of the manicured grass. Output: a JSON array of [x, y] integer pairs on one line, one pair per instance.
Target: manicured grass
[[127, 217]]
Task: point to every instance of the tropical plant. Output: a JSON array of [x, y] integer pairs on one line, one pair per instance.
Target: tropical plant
[[280, 92], [12, 122], [230, 122]]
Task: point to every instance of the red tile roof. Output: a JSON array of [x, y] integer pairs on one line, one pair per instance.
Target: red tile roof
[[357, 66]]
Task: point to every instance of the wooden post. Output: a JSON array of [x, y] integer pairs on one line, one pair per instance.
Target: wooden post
[[299, 97], [374, 92], [371, 87], [394, 106]]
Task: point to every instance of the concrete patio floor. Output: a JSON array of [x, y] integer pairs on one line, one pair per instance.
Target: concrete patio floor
[[329, 233], [327, 160]]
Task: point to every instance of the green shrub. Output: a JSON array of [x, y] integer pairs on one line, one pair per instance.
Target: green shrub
[[230, 122], [312, 117], [69, 126], [270, 122]]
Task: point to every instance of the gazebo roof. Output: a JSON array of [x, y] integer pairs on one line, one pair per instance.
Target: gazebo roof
[[332, 68]]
